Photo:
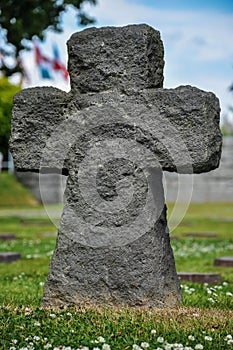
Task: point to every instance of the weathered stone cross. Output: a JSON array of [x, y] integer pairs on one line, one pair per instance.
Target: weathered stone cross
[[112, 134]]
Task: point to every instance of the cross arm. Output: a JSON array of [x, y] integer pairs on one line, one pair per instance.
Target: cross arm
[[179, 126], [190, 122], [36, 113]]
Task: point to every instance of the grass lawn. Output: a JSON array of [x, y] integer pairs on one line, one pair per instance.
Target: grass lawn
[[203, 321], [13, 194]]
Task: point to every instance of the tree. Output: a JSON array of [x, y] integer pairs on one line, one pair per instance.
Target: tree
[[7, 92], [21, 20]]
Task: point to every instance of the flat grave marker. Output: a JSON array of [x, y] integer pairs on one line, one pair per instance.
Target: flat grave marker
[[200, 234], [9, 257], [34, 222], [195, 277], [7, 237], [226, 261]]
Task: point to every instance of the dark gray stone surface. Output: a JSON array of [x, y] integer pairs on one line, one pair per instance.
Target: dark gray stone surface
[[113, 134], [180, 126], [124, 58], [36, 114], [113, 258]]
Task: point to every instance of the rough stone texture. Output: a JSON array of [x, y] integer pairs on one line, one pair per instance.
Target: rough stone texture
[[226, 261], [195, 277], [112, 134], [124, 58], [9, 257], [37, 112], [99, 270], [180, 126]]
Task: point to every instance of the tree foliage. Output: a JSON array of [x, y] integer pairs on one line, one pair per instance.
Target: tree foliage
[[7, 92], [21, 20]]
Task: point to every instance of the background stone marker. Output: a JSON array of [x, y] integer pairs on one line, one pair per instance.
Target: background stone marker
[[112, 135], [28, 222], [226, 261], [200, 234], [196, 277], [7, 237], [9, 257]]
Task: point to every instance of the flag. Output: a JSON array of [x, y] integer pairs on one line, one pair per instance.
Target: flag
[[57, 64], [46, 65], [43, 63]]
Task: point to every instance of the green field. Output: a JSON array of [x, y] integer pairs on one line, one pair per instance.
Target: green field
[[203, 321]]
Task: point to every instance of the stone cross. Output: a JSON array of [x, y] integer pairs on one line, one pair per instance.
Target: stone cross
[[112, 135]]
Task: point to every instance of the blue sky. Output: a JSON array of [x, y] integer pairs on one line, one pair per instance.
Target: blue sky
[[197, 36], [224, 5]]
